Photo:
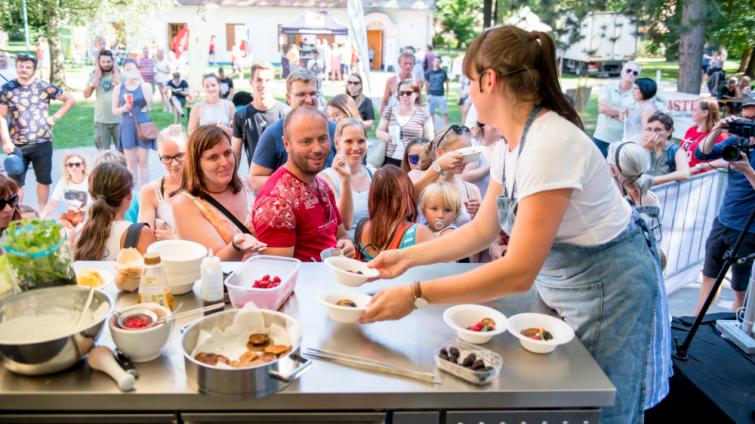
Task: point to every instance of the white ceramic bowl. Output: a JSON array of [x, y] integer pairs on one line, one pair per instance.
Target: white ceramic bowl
[[142, 345], [471, 154], [182, 288], [344, 314], [341, 266], [460, 317], [181, 260], [560, 330]]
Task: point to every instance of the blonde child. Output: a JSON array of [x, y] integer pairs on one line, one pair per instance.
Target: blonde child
[[73, 189], [440, 204]]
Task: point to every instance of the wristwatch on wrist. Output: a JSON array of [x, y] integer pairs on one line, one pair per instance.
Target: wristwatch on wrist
[[418, 302], [436, 168]]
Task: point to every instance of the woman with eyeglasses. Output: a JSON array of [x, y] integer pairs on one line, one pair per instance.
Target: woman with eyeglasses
[[341, 107], [154, 198], [668, 161], [213, 110], [347, 177], [615, 102], [413, 153], [72, 190], [354, 87], [9, 210], [570, 232], [442, 162], [403, 122], [213, 206]]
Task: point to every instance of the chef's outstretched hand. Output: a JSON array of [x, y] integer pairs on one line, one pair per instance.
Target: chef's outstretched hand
[[389, 304], [390, 263]]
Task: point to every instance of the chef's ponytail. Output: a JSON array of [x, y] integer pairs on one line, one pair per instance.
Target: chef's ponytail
[[526, 60]]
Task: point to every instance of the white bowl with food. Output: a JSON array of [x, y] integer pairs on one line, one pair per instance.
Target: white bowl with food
[[475, 323], [345, 307], [141, 342], [97, 278], [350, 272], [471, 154], [540, 333], [181, 260]]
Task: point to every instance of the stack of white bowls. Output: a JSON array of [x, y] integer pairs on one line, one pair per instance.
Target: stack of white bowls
[[181, 260]]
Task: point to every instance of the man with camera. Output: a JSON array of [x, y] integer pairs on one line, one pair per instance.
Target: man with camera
[[738, 203]]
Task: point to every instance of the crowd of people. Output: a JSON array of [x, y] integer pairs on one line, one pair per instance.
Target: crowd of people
[[542, 202]]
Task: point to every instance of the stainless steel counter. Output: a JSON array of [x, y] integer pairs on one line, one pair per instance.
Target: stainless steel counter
[[566, 378]]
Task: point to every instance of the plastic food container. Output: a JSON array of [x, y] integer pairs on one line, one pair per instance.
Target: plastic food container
[[493, 363], [240, 282]]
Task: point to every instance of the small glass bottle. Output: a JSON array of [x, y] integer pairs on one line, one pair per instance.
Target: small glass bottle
[[211, 288], [153, 286]]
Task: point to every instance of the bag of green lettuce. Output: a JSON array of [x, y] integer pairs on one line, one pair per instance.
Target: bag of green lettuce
[[37, 254]]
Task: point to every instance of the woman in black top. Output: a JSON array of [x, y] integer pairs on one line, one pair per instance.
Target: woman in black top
[[354, 88]]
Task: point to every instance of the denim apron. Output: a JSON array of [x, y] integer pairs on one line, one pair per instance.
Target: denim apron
[[607, 294]]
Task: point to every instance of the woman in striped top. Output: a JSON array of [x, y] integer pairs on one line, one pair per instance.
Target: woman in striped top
[[404, 121]]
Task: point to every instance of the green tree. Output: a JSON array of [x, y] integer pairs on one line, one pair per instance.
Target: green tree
[[460, 20]]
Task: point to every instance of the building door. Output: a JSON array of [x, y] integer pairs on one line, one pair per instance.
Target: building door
[[375, 47]]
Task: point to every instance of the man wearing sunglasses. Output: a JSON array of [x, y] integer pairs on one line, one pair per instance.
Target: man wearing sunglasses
[[270, 153], [615, 102], [295, 212], [26, 123]]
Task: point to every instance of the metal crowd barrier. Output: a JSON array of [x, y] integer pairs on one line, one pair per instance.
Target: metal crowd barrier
[[687, 213]]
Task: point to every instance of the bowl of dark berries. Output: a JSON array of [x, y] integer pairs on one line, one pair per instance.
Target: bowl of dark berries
[[344, 307], [540, 333], [350, 272], [475, 323], [469, 362]]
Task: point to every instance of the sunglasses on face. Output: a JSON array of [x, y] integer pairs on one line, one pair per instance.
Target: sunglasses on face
[[413, 159], [168, 159], [405, 93], [354, 83], [633, 71], [11, 201], [74, 164]]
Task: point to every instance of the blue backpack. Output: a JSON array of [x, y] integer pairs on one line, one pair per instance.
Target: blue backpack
[[670, 155]]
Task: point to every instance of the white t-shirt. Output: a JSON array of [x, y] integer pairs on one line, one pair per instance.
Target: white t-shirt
[[559, 155], [75, 196]]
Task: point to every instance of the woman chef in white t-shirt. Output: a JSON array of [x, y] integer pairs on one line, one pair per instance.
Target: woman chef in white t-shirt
[[570, 231]]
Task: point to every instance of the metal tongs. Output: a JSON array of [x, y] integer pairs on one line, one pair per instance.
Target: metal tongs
[[372, 365]]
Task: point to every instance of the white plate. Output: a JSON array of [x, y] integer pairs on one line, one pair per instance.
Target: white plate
[[106, 276]]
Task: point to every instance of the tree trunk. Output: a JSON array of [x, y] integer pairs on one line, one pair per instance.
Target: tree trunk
[[691, 41], [744, 61], [57, 65], [487, 13]]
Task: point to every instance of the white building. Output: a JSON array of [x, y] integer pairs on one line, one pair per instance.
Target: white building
[[391, 24]]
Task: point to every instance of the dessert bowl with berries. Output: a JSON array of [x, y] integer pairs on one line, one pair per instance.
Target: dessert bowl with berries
[[344, 307], [350, 272], [475, 323], [540, 333]]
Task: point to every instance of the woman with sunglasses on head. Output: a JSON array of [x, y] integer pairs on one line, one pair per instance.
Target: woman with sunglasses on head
[[413, 154], [571, 233], [154, 198], [9, 209], [615, 102], [354, 87], [403, 122], [348, 177], [445, 147], [213, 110], [213, 206], [72, 189]]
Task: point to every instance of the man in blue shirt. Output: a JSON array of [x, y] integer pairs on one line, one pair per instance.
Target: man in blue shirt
[[738, 203], [437, 87], [269, 155]]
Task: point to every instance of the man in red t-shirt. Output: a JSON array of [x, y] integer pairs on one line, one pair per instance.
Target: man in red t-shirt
[[295, 212]]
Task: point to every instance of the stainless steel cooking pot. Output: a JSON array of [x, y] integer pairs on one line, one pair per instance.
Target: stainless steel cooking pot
[[48, 356], [248, 382]]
